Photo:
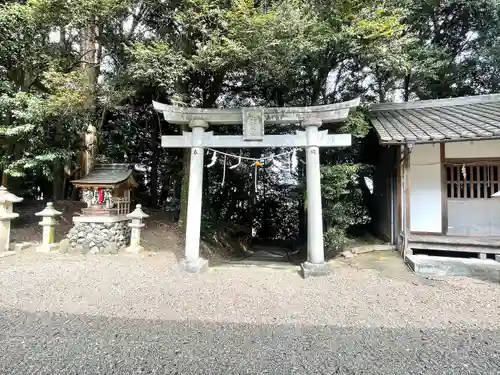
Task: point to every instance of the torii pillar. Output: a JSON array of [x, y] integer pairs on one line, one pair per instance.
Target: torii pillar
[[192, 262], [315, 265]]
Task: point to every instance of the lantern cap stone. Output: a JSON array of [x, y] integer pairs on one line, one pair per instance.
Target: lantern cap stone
[[138, 213], [49, 211], [496, 195], [5, 196]]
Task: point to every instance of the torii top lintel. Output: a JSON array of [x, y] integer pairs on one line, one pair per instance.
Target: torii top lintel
[[232, 116]]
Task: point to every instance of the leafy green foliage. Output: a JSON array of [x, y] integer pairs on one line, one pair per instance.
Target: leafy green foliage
[[343, 205], [156, 64], [67, 64]]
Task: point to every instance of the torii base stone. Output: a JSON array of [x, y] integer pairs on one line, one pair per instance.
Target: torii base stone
[[308, 269]]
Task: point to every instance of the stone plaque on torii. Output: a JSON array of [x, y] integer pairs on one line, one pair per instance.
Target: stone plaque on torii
[[253, 135]]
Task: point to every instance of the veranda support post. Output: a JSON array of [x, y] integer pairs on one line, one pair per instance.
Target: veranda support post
[[406, 200]]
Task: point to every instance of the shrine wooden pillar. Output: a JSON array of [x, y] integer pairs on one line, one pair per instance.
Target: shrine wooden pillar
[[406, 201]]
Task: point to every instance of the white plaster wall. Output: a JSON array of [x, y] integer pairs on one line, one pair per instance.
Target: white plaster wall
[[477, 149], [474, 217], [425, 189]]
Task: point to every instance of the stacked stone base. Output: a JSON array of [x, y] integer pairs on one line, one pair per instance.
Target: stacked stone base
[[99, 237]]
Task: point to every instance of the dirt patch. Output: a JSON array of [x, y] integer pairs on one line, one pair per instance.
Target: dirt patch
[[161, 233], [26, 227], [388, 264]]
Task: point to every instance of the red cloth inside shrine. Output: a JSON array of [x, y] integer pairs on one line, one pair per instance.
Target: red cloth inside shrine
[[100, 196]]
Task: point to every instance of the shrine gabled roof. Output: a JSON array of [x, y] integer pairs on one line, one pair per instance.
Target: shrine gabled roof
[[441, 120], [106, 175]]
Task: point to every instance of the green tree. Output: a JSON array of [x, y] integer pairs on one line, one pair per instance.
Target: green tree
[[65, 65]]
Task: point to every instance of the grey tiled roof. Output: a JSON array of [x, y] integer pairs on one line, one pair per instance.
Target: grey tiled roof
[[106, 174], [438, 120]]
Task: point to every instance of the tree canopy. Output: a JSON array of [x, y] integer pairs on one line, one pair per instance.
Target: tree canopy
[[65, 65]]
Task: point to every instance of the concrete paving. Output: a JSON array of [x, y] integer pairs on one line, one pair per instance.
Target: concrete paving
[[118, 314], [51, 344], [267, 257], [424, 265]]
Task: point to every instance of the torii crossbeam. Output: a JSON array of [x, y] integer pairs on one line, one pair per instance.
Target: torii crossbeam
[[208, 139]]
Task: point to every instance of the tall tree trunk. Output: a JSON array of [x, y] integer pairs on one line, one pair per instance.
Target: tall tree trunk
[[182, 89], [253, 219], [208, 102], [407, 87], [91, 68], [302, 212], [155, 135], [58, 179], [186, 162], [8, 146]]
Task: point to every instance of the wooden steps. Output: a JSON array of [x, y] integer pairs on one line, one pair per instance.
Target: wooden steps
[[482, 246]]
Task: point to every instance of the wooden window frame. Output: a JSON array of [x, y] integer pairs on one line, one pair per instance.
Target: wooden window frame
[[476, 187]]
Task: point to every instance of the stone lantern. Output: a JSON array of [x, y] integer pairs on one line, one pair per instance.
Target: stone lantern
[[48, 223], [6, 215], [135, 236]]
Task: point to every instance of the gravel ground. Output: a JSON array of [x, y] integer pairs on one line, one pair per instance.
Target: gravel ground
[[66, 314]]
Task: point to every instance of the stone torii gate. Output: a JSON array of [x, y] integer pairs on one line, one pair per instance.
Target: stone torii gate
[[253, 120]]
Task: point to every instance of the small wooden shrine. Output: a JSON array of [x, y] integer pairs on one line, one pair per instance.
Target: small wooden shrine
[[107, 189]]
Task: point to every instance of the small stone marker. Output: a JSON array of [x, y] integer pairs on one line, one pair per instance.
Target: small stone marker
[[6, 215], [253, 124], [135, 236], [347, 254], [48, 224], [64, 246]]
